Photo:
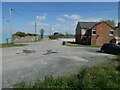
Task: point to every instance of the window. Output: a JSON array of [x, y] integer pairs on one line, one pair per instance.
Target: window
[[111, 32], [83, 31], [94, 32]]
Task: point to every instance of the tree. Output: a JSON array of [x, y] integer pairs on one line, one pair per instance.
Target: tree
[[110, 22], [56, 33], [21, 34], [41, 32]]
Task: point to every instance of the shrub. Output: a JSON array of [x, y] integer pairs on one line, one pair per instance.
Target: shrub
[[29, 34], [21, 34], [60, 35], [53, 37]]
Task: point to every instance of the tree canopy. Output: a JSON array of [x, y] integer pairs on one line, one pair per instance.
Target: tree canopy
[[110, 22], [41, 32], [23, 34]]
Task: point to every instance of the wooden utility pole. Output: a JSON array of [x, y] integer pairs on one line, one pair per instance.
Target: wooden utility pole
[[35, 33], [10, 12]]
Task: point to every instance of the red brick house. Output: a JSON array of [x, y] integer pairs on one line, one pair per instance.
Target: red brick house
[[94, 33]]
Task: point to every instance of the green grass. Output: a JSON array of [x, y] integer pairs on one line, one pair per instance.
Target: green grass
[[11, 45], [71, 44], [117, 58], [99, 77], [78, 45]]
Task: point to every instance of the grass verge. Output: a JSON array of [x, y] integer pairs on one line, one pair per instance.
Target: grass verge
[[99, 77], [11, 45], [78, 45]]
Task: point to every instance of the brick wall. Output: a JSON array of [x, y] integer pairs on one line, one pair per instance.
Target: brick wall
[[78, 38], [102, 35]]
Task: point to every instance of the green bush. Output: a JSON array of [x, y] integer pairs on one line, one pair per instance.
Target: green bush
[[60, 35], [21, 34], [29, 34], [53, 37]]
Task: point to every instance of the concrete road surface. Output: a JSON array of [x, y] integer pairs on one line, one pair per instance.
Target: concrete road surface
[[49, 57]]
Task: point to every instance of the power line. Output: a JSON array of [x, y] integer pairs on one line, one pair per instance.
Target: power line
[[21, 15], [16, 11]]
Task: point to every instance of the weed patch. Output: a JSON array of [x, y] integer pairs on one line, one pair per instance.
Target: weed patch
[[95, 77], [11, 45]]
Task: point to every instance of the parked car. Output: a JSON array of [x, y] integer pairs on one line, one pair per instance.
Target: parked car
[[111, 48]]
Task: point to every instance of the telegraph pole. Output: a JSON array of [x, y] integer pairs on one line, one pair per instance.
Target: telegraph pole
[[10, 12], [35, 32]]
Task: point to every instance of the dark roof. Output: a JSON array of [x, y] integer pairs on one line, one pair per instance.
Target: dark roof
[[91, 25], [87, 25]]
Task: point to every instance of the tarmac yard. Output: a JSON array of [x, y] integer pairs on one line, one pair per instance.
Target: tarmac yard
[[47, 57]]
